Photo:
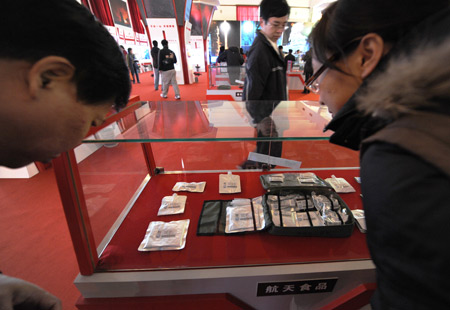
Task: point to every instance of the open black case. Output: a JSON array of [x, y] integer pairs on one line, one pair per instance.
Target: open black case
[[294, 205]]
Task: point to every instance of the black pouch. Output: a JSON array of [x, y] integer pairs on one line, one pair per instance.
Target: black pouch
[[213, 216], [304, 185]]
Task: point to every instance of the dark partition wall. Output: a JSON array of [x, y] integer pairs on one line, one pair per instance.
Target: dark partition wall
[[159, 9], [206, 12], [196, 20]]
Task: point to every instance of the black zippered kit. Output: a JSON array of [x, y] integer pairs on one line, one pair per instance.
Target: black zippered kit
[[295, 204]]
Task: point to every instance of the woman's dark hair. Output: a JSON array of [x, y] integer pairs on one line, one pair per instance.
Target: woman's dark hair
[[346, 20], [273, 8], [33, 30]]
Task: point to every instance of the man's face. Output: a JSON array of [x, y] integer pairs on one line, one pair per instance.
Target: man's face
[[273, 28], [47, 133], [39, 128]]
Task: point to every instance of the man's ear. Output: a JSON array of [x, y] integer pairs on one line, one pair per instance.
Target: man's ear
[[261, 21], [49, 72], [371, 49]]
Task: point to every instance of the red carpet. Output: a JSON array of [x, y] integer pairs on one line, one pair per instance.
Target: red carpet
[[34, 242], [197, 91], [146, 89]]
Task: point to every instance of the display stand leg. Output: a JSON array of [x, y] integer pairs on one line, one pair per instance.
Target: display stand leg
[[74, 204], [149, 158]]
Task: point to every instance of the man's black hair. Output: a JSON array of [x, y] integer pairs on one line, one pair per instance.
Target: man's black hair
[[164, 43], [32, 30], [273, 8], [155, 43]]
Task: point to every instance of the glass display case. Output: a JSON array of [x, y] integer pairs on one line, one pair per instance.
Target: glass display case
[[225, 82], [112, 186]]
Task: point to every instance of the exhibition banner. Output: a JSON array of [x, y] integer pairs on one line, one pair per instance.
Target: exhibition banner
[[166, 28]]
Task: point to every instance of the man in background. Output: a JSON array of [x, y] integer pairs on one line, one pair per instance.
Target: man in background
[[291, 58], [307, 69], [232, 56], [280, 49], [60, 74], [133, 65], [266, 77], [155, 52], [167, 59], [124, 52]]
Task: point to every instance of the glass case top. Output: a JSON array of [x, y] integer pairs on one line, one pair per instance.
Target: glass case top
[[215, 121]]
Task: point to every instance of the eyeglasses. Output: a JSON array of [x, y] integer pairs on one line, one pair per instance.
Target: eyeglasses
[[312, 84], [277, 26]]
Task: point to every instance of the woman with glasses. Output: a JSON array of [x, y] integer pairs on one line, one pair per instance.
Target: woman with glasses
[[382, 68]]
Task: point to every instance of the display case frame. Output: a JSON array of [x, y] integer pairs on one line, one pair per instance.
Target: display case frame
[[353, 265]]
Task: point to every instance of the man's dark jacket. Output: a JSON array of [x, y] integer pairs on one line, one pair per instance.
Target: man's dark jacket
[[154, 52], [265, 72], [166, 63], [232, 57]]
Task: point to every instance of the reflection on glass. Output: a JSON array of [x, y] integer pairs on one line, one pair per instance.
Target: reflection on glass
[[261, 112]]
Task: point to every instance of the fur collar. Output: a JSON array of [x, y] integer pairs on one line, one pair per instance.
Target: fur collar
[[414, 76], [409, 82]]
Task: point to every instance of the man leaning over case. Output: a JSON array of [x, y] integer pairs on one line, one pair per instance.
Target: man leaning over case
[[60, 74]]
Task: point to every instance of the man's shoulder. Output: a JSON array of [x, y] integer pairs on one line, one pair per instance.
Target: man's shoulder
[[259, 46], [260, 53]]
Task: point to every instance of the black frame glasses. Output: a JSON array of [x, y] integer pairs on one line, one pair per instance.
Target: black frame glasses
[[311, 83]]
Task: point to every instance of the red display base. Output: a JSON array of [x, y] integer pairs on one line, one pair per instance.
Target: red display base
[[253, 249], [185, 302]]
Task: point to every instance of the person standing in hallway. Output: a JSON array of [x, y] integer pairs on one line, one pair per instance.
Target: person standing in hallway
[[307, 69], [265, 73], [241, 50], [61, 72], [124, 53], [167, 59], [280, 49], [289, 57], [133, 65], [266, 76], [234, 60], [221, 51], [155, 52]]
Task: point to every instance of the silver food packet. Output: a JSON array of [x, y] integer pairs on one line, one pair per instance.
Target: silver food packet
[[229, 183], [195, 187], [162, 236], [239, 215], [174, 204]]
